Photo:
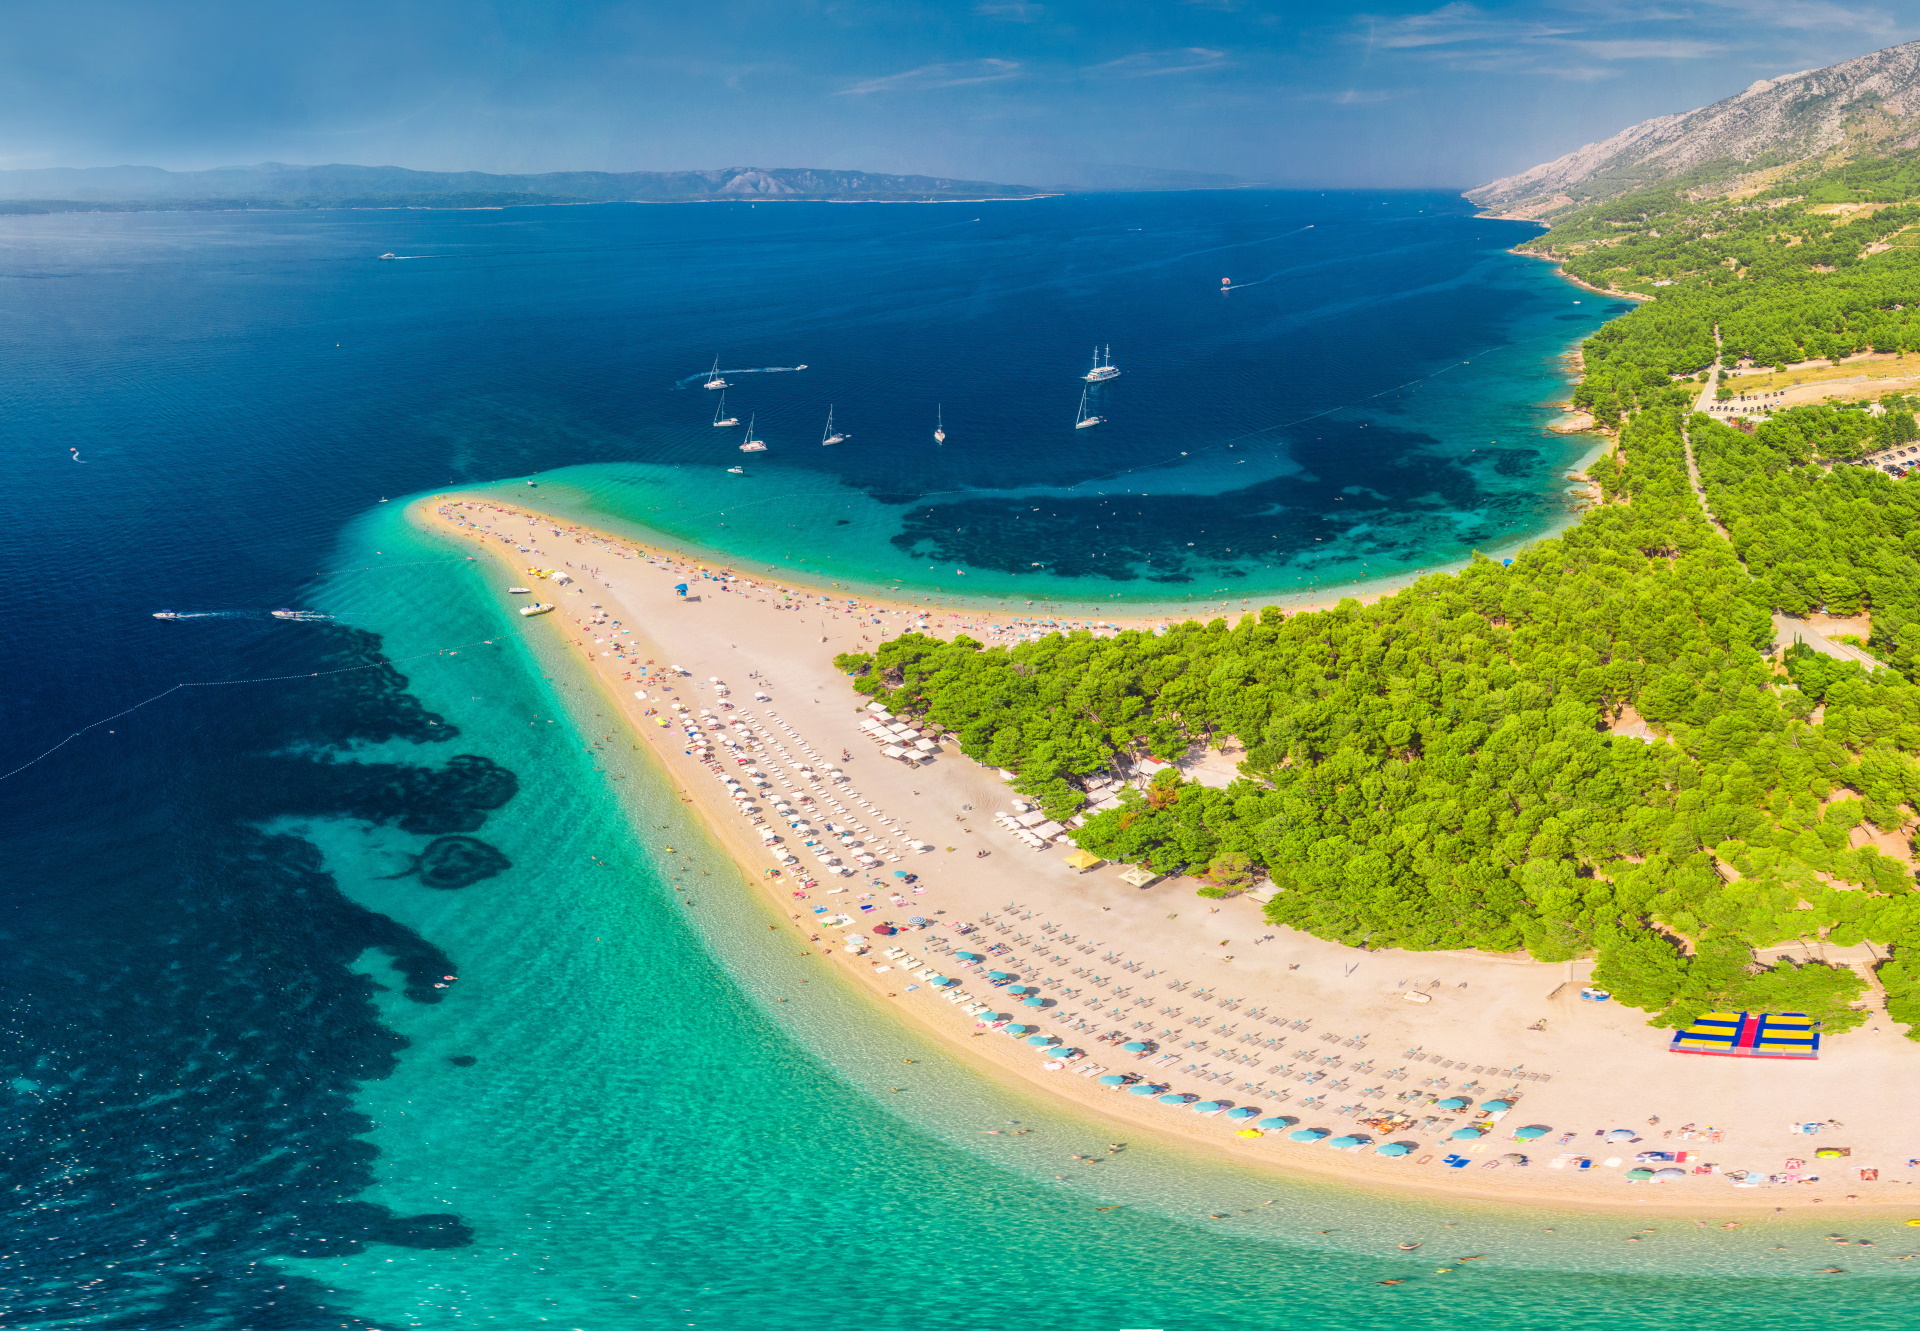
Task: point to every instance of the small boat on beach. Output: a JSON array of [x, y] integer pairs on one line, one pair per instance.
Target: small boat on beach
[[720, 417], [828, 435], [1103, 369], [537, 608], [752, 445], [519, 591], [940, 424], [713, 376], [1083, 420]]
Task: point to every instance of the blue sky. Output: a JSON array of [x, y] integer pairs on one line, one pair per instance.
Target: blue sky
[[1334, 93]]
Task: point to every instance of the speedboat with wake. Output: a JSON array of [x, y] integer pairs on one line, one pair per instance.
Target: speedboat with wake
[[940, 424]]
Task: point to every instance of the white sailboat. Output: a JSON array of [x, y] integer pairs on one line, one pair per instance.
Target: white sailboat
[[713, 376], [1103, 369], [752, 445], [828, 435], [1082, 421], [940, 424], [720, 417]]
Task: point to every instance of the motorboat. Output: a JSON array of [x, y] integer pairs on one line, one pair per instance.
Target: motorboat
[[940, 424], [519, 591], [168, 614], [537, 608]]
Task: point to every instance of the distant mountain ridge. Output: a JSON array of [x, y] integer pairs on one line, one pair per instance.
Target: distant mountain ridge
[[276, 184], [1867, 105]]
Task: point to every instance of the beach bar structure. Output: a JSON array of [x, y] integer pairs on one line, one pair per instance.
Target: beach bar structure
[[1140, 877], [1083, 860], [1749, 1035]]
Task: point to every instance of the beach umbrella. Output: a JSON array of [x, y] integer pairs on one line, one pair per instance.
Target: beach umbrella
[[969, 956], [941, 982], [1451, 1102], [1668, 1175], [1528, 1134], [1033, 1000], [1177, 1098], [1019, 988], [1145, 1088], [1208, 1107], [998, 975], [1276, 1123], [899, 873], [1135, 1046], [1113, 1079], [1243, 1112], [1465, 1134], [1828, 1153], [1039, 1039], [1495, 1106], [1308, 1134], [1249, 1132], [1514, 1158], [1620, 1135], [885, 930], [1347, 1143], [1015, 1028], [994, 1016], [1395, 1148], [1639, 1175], [1065, 1052]]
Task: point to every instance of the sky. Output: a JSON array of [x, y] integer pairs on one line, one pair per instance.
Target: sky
[[1289, 92]]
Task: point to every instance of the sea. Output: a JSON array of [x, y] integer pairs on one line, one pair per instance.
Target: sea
[[359, 973]]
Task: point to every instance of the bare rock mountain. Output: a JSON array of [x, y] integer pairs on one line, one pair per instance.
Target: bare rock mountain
[[1871, 103]]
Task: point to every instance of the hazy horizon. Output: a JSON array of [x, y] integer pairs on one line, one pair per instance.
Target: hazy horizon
[[1339, 95]]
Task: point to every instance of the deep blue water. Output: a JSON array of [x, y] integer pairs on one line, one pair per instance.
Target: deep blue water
[[238, 1100]]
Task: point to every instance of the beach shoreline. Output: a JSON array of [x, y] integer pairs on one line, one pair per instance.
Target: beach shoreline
[[794, 672]]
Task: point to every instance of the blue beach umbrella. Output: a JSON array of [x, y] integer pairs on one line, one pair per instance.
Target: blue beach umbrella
[[1495, 1106], [1177, 1098], [1348, 1143], [1039, 1039], [1033, 1000], [1243, 1112], [1308, 1134], [1528, 1134], [998, 975], [1451, 1102], [994, 1016], [1015, 1028], [1019, 988], [969, 956], [1465, 1134], [941, 982], [1395, 1148], [1208, 1107], [1276, 1123], [1134, 1047], [1145, 1088], [1113, 1079]]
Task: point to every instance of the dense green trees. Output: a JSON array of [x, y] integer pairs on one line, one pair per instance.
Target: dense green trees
[[1443, 768]]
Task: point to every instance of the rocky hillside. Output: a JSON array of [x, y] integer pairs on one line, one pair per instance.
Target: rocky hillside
[[274, 184], [1813, 119]]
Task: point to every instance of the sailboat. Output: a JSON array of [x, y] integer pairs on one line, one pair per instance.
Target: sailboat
[[752, 445], [828, 436], [720, 417], [940, 424], [1082, 421], [713, 376], [1102, 367]]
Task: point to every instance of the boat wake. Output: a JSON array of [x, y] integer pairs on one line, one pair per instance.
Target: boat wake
[[705, 375], [300, 616]]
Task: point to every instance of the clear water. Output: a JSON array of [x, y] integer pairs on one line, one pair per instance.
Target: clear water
[[235, 1100]]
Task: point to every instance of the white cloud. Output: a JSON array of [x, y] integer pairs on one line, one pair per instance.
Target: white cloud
[[1152, 64], [1014, 11], [1452, 24], [1805, 14], [948, 74]]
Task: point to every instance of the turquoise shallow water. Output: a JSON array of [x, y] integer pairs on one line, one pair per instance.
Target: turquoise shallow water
[[649, 1138]]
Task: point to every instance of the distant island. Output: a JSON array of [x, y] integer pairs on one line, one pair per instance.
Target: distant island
[[275, 185]]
